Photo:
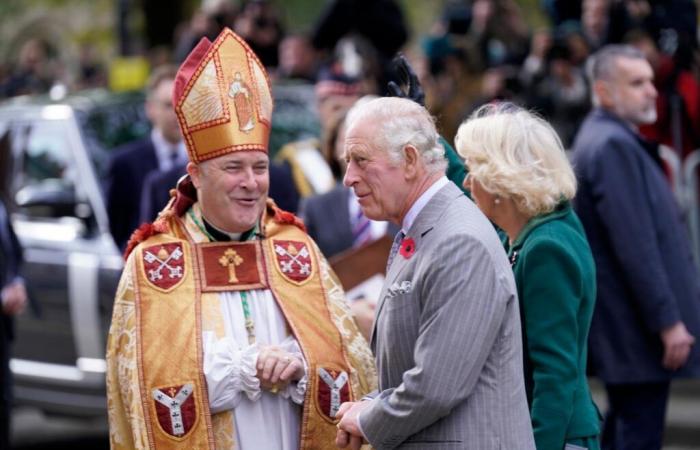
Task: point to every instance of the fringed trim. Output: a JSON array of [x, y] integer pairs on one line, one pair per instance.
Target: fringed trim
[[285, 217], [143, 232]]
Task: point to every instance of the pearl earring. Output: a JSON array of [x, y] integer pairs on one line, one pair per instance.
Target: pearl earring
[[497, 200]]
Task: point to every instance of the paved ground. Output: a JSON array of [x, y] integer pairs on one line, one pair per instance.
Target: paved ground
[[683, 416], [33, 431]]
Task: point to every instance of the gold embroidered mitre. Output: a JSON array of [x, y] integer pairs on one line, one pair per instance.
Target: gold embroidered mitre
[[222, 98]]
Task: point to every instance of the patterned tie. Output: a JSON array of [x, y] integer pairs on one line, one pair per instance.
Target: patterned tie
[[394, 248], [361, 230]]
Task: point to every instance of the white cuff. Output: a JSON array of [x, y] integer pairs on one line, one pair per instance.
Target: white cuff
[[229, 371], [247, 372]]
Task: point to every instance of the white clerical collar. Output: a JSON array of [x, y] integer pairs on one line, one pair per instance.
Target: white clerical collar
[[421, 202], [164, 150]]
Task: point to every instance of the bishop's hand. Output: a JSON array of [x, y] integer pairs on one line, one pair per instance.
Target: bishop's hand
[[277, 368]]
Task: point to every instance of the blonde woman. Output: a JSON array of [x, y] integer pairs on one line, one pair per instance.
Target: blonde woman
[[520, 178]]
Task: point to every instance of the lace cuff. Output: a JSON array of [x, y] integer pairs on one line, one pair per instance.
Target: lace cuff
[[229, 372], [247, 372]]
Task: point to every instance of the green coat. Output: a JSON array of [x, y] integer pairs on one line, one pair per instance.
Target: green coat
[[455, 171], [555, 276]]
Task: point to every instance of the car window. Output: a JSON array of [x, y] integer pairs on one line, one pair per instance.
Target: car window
[[110, 125], [44, 173]]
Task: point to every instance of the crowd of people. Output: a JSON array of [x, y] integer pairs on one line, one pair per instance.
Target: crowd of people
[[518, 267]]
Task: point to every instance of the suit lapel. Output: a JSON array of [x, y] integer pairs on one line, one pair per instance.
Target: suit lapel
[[419, 231]]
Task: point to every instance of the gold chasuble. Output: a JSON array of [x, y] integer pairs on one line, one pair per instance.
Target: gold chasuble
[[169, 294], [171, 288]]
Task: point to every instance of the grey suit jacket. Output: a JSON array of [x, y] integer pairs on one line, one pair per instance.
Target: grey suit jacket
[[447, 339]]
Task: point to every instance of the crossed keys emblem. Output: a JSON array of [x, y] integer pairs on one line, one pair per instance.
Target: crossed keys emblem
[[295, 257], [162, 259]]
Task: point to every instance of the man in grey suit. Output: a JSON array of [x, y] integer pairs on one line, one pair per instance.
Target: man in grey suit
[[447, 334]]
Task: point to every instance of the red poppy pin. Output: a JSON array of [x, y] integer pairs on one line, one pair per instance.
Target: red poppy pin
[[408, 248]]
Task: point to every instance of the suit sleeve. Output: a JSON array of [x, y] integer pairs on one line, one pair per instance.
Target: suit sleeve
[[457, 286], [551, 285], [118, 181], [622, 203]]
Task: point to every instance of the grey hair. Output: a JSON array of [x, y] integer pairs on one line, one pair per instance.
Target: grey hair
[[601, 65], [401, 122]]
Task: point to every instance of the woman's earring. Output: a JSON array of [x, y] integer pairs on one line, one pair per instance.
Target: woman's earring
[[497, 200]]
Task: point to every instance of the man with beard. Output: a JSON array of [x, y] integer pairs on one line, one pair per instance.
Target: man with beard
[[648, 309]]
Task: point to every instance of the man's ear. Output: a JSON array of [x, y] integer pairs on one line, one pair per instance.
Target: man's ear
[[411, 160], [603, 91], [195, 172]]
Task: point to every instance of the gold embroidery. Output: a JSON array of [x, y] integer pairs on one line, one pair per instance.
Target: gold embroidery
[[200, 106], [231, 259], [242, 101]]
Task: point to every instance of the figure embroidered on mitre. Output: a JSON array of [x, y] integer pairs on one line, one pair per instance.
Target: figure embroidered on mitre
[[241, 94]]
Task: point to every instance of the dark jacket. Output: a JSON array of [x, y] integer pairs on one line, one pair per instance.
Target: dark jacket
[[127, 171], [10, 263], [327, 220], [555, 276], [647, 280]]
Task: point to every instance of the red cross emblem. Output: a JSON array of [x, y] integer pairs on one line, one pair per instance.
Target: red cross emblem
[[164, 265], [293, 260], [333, 391], [175, 409]]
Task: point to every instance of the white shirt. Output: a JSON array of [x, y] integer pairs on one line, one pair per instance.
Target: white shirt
[[164, 151], [262, 420]]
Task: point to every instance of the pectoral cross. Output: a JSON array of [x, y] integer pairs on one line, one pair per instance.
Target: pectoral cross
[[231, 259]]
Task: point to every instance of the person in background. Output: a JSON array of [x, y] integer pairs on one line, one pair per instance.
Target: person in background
[[335, 94], [33, 73], [647, 313], [129, 165], [298, 60], [377, 23], [521, 180], [259, 23], [13, 297]]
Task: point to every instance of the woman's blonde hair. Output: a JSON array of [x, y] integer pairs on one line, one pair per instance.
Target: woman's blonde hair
[[515, 154]]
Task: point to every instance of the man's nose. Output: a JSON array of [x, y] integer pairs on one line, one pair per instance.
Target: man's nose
[[349, 179], [652, 91], [248, 178]]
